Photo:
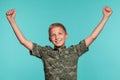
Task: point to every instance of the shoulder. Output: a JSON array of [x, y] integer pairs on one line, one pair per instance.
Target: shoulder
[[38, 46], [79, 48], [81, 43]]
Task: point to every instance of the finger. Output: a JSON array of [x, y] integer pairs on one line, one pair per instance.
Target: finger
[[10, 12], [107, 9]]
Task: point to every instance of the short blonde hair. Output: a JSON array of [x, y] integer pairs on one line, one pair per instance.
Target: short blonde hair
[[57, 25]]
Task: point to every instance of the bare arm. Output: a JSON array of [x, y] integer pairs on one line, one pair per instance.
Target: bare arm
[[10, 16], [106, 14]]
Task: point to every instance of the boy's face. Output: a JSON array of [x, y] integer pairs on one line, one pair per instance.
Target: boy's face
[[58, 36]]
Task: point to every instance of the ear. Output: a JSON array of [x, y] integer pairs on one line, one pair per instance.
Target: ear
[[66, 36], [49, 39]]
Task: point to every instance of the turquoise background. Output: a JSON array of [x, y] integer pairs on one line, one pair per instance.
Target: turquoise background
[[80, 17]]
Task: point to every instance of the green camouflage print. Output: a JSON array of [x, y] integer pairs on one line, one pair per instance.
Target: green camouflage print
[[60, 64]]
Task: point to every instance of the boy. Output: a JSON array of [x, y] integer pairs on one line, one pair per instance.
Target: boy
[[60, 63]]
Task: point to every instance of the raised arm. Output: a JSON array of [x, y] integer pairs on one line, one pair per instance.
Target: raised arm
[[11, 18], [106, 14]]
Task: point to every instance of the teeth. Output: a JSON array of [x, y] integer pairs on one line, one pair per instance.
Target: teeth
[[57, 41]]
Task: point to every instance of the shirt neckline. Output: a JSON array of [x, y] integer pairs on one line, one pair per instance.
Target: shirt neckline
[[59, 49]]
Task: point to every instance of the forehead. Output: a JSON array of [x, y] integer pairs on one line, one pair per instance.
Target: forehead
[[56, 28]]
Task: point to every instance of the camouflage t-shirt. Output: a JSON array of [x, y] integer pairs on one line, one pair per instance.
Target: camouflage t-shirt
[[60, 64]]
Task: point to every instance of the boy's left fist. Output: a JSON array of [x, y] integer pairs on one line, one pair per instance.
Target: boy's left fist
[[107, 11]]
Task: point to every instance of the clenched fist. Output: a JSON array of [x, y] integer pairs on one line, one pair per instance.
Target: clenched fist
[[11, 14], [107, 11]]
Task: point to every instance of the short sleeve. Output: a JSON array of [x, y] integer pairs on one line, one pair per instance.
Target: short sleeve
[[36, 50], [81, 47]]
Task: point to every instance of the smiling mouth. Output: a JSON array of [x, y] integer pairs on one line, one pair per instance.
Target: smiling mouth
[[58, 41]]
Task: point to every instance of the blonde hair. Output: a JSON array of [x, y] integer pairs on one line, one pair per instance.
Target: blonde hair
[[57, 25]]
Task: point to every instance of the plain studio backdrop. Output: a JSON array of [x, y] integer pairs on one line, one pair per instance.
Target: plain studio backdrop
[[101, 62]]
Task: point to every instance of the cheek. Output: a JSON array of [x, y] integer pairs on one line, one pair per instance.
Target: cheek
[[52, 39], [65, 37]]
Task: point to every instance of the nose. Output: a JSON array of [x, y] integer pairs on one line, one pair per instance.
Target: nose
[[56, 37]]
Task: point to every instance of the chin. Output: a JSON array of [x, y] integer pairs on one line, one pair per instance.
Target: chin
[[59, 45]]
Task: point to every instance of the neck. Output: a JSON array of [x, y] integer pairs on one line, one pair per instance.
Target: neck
[[59, 47]]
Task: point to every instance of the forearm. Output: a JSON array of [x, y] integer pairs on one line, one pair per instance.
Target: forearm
[[17, 31], [99, 28], [28, 44], [96, 31]]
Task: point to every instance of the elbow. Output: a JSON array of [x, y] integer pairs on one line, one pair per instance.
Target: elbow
[[22, 42], [93, 37], [89, 40]]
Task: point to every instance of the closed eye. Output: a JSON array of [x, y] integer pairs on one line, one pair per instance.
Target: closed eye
[[60, 33]]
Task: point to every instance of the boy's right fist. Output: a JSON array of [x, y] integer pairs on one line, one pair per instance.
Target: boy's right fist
[[11, 14]]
